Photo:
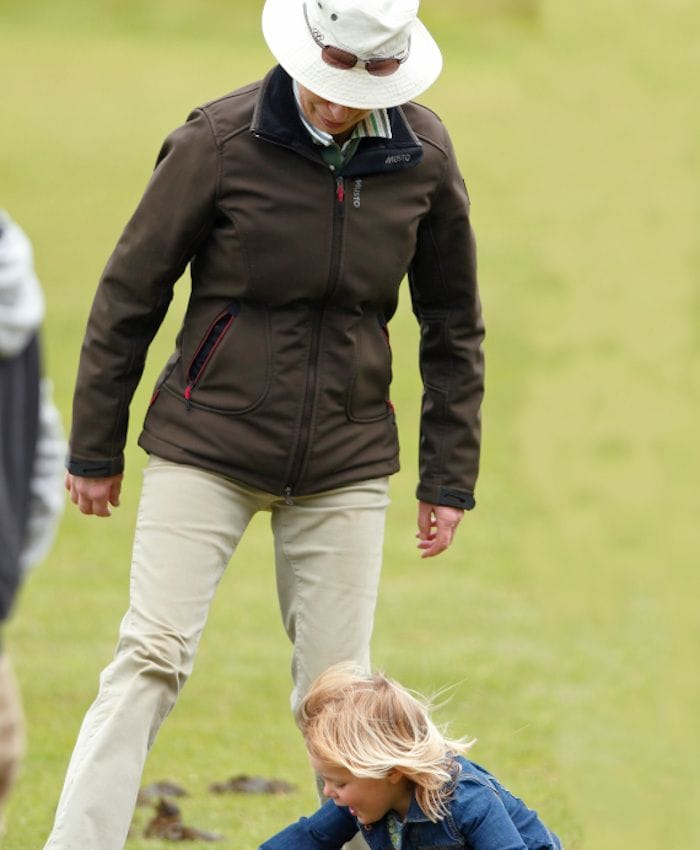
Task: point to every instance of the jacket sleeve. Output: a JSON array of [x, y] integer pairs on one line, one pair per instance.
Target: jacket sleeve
[[135, 291], [483, 819], [328, 829], [445, 297]]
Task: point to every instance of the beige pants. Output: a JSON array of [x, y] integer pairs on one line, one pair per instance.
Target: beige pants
[[328, 557]]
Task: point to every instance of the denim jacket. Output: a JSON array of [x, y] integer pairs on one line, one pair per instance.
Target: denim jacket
[[482, 815]]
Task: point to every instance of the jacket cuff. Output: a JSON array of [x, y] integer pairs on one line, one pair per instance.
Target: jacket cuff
[[95, 468], [446, 496]]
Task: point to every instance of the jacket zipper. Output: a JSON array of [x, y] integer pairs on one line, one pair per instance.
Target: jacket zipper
[[206, 348], [340, 193], [310, 386]]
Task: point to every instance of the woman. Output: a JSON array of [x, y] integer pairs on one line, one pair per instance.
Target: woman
[[299, 202]]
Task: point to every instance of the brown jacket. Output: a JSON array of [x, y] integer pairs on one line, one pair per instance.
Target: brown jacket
[[281, 371]]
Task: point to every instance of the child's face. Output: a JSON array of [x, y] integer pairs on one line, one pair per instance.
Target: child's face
[[368, 799]]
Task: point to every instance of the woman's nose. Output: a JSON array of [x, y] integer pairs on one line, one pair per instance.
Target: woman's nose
[[339, 113]]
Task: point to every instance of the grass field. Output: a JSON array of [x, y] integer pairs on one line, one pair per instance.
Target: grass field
[[565, 616]]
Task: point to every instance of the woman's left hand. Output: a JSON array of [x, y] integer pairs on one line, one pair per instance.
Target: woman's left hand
[[437, 525]]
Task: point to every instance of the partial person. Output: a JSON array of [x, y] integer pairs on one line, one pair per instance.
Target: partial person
[[32, 449], [393, 776], [299, 203]]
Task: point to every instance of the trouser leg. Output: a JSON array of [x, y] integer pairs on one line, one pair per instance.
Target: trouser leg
[[189, 523], [11, 728], [328, 553]]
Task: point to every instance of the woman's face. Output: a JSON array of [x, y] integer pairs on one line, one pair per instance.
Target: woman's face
[[328, 116]]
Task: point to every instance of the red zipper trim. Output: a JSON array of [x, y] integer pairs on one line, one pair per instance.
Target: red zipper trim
[[202, 368]]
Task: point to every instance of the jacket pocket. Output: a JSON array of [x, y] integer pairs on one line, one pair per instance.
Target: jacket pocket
[[368, 396], [229, 370]]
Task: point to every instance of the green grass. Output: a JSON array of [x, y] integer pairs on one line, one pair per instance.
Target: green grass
[[565, 615]]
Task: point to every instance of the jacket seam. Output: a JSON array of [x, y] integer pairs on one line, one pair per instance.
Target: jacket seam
[[220, 143], [219, 158]]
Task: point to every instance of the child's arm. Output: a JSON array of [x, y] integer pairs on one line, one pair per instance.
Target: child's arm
[[488, 825], [328, 829], [490, 818]]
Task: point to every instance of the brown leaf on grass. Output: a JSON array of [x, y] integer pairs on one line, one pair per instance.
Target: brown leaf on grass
[[167, 825], [150, 793], [243, 784]]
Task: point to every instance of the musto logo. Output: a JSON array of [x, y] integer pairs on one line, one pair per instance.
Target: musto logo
[[356, 194], [397, 157]]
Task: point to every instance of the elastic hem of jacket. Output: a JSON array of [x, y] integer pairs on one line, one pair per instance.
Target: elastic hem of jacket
[[155, 446], [94, 468], [446, 496]]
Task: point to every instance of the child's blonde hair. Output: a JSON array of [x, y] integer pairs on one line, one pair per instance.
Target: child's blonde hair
[[370, 724]]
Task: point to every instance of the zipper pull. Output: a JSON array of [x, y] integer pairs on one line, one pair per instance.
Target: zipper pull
[[340, 189], [188, 393], [287, 493]]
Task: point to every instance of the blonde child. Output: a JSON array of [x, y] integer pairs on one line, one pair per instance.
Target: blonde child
[[390, 774]]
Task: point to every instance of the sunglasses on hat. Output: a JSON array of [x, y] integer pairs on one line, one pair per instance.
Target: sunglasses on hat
[[336, 57]]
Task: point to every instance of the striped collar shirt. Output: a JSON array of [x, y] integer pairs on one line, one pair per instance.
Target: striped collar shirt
[[376, 125]]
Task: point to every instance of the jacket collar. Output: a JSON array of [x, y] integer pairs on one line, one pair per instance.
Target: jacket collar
[[276, 119]]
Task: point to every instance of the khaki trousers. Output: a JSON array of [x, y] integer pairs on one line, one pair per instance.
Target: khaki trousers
[[328, 556]]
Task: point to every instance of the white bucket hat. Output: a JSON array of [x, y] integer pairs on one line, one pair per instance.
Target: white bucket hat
[[381, 54]]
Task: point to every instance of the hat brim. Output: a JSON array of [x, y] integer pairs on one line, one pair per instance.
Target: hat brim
[[288, 37]]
